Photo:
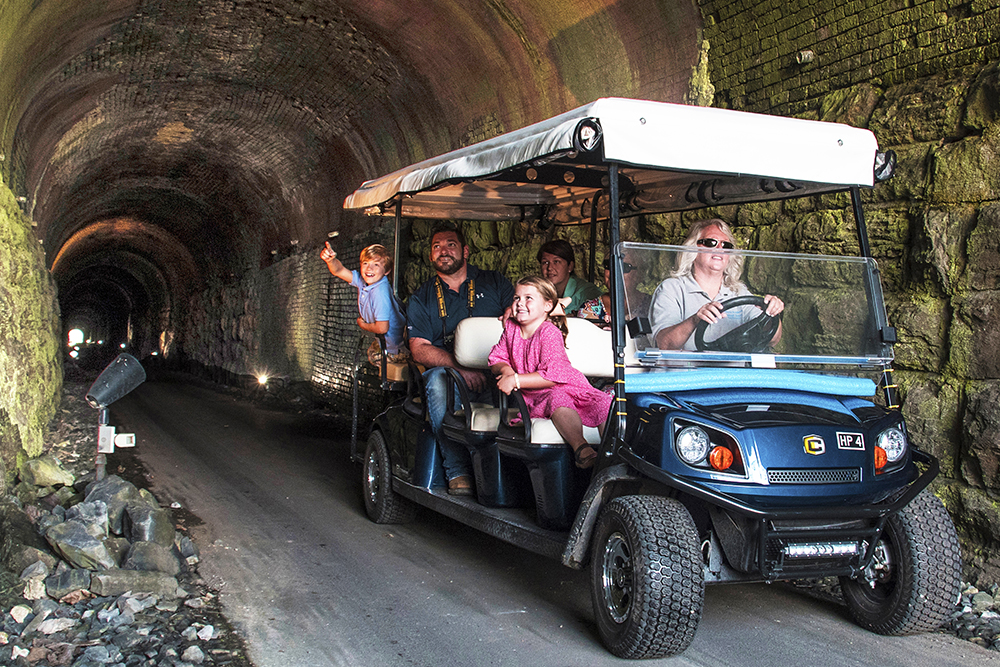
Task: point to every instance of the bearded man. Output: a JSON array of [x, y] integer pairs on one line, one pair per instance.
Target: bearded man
[[459, 290]]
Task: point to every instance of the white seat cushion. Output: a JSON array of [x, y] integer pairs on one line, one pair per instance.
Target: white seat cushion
[[486, 418], [544, 431], [589, 348], [474, 338]]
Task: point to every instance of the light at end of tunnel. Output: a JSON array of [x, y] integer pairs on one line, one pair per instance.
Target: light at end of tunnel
[[262, 379]]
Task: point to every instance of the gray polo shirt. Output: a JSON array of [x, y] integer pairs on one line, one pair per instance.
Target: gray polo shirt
[[677, 299]]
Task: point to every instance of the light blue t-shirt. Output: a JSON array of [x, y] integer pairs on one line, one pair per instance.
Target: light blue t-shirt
[[377, 303]]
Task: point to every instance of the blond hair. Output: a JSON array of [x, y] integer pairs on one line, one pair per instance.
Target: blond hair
[[377, 251], [685, 260], [547, 291]]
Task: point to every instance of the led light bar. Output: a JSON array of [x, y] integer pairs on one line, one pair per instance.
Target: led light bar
[[821, 550]]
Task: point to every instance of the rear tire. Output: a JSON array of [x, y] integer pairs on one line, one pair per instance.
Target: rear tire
[[647, 582], [914, 580], [382, 504]]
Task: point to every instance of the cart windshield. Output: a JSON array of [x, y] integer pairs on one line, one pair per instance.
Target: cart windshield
[[833, 311]]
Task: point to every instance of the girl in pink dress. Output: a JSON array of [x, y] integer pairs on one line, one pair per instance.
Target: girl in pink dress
[[531, 357]]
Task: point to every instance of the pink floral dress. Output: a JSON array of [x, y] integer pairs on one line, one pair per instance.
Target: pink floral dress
[[545, 353]]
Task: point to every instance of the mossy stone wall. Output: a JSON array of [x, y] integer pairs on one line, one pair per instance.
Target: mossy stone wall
[[30, 361], [923, 76]]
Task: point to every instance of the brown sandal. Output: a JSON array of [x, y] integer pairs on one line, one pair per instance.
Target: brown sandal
[[583, 459]]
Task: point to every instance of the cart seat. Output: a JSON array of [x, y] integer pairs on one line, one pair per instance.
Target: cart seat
[[474, 424], [556, 482]]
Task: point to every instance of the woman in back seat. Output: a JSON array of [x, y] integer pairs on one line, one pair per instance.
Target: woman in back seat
[[531, 357]]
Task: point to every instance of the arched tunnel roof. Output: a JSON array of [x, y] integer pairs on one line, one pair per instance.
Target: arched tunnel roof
[[160, 144]]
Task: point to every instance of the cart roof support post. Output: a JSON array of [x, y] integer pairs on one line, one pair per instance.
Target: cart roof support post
[[395, 250], [617, 302]]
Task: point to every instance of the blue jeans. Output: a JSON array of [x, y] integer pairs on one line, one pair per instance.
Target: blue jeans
[[457, 461]]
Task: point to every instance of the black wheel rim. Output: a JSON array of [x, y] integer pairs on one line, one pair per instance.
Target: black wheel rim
[[373, 470], [879, 578], [617, 577]]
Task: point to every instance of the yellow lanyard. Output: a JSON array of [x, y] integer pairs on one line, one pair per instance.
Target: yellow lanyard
[[442, 309]]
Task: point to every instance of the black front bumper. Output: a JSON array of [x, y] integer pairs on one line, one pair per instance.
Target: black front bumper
[[775, 528]]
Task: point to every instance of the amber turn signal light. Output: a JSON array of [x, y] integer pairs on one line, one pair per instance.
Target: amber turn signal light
[[881, 458], [721, 458]]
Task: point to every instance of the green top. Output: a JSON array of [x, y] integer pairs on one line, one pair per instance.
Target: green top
[[579, 291]]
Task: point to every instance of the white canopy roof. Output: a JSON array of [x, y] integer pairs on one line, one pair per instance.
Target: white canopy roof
[[672, 157]]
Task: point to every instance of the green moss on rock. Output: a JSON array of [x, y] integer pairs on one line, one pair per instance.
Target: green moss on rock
[[700, 92], [982, 106], [938, 247], [853, 106], [921, 322], [924, 110], [983, 250], [978, 345], [967, 170], [930, 406], [30, 360]]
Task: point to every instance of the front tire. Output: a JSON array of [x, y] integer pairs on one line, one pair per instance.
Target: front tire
[[647, 583], [915, 577], [382, 504]]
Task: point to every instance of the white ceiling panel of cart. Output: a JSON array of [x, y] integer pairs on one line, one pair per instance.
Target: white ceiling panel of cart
[[671, 157]]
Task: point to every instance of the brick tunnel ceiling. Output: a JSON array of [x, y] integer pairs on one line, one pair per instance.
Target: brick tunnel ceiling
[[160, 145]]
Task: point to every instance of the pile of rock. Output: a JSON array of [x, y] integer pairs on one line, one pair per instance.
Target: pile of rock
[[104, 578], [977, 617], [117, 539]]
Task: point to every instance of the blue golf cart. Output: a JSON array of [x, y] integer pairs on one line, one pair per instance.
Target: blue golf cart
[[763, 449]]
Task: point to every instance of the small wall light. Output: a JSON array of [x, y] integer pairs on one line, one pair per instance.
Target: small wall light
[[805, 57]]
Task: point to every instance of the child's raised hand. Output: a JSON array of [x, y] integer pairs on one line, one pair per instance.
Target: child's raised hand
[[327, 254]]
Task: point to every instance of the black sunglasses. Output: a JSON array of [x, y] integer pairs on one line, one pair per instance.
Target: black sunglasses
[[711, 243]]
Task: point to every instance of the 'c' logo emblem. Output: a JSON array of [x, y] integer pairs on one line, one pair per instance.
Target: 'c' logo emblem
[[814, 445]]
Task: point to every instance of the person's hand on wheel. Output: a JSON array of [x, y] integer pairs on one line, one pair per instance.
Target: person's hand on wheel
[[711, 312], [773, 304]]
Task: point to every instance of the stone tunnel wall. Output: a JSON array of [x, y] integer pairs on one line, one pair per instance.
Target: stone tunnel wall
[[292, 321], [30, 361], [923, 76], [934, 231]]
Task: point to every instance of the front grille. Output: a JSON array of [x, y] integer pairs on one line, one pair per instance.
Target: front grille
[[813, 476]]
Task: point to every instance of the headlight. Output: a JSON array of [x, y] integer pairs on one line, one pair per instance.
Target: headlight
[[692, 445], [893, 442]]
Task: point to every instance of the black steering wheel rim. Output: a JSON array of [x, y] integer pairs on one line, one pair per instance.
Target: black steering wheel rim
[[753, 336]]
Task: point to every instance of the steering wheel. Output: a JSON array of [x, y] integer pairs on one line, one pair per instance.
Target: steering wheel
[[753, 336]]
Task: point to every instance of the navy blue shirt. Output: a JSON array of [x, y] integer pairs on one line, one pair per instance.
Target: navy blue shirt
[[493, 294]]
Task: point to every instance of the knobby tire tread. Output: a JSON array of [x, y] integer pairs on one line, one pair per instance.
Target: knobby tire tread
[[389, 506], [928, 573], [668, 603]]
